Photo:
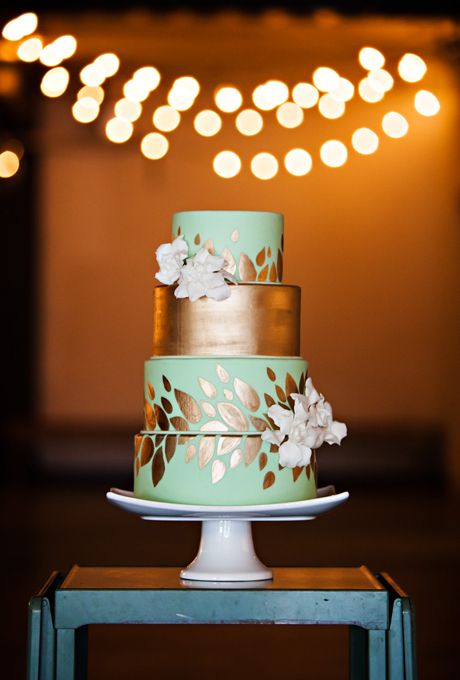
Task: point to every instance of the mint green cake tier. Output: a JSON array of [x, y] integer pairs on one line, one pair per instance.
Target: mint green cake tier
[[218, 394], [216, 470], [250, 241]]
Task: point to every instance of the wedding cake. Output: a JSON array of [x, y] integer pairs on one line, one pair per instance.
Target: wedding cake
[[231, 416]]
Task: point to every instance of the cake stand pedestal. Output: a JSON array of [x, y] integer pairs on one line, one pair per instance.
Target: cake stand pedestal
[[226, 551]]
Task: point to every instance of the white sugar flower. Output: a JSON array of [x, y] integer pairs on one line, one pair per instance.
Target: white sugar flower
[[202, 275], [170, 257], [308, 427]]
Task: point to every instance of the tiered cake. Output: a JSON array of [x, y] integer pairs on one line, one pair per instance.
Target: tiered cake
[[217, 367]]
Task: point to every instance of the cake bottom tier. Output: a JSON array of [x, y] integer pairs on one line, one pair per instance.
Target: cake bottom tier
[[203, 469]]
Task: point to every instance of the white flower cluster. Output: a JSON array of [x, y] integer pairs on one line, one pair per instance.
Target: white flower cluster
[[307, 428], [201, 275]]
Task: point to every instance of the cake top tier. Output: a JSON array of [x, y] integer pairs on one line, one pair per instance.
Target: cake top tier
[[250, 241]]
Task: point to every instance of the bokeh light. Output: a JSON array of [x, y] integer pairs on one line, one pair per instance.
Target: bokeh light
[[394, 125], [9, 164], [305, 95], [325, 79], [228, 99], [109, 63], [264, 166], [411, 68], [30, 49], [226, 164], [92, 75], [371, 58], [148, 77], [154, 146], [249, 122], [85, 110], [333, 153], [426, 103], [344, 91], [365, 141], [118, 130], [135, 91], [289, 115], [188, 86], [371, 91], [207, 123], [96, 93], [165, 118], [330, 107], [381, 79], [298, 162], [128, 110], [20, 26], [54, 82]]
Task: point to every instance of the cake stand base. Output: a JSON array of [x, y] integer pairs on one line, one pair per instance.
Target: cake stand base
[[226, 553]]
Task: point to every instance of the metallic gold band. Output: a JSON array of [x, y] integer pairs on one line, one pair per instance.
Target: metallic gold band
[[254, 320]]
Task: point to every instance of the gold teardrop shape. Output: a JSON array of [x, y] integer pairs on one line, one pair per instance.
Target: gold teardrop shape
[[168, 407], [302, 381], [170, 446], [232, 416], [206, 451], [280, 265], [246, 268], [190, 452], [184, 438], [273, 272], [296, 472], [150, 420], [214, 426], [158, 439], [161, 417], [167, 384], [269, 252], [235, 235], [209, 245], [258, 423], [197, 240], [222, 374], [217, 471], [208, 388], [236, 458], [308, 471], [291, 385], [274, 448], [280, 393], [137, 444], [271, 374], [269, 400], [179, 231], [269, 480], [151, 391], [230, 264], [188, 406], [260, 257], [263, 274], [146, 451], [179, 423], [208, 409], [226, 444], [246, 394], [253, 445], [262, 460], [138, 465], [158, 467], [228, 394]]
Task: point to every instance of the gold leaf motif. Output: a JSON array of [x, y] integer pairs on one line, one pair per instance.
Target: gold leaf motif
[[205, 451], [269, 400], [138, 465], [151, 391], [150, 420], [209, 245], [179, 423], [271, 374], [222, 374], [273, 272], [296, 472], [230, 264], [236, 458], [179, 231], [308, 471], [208, 388], [282, 242], [158, 439], [170, 446], [137, 444], [263, 274], [280, 467], [246, 394], [208, 409], [184, 438], [302, 381], [161, 417], [262, 460], [291, 385], [168, 407], [158, 467], [258, 423], [269, 480], [197, 240], [228, 394], [280, 265], [280, 393], [269, 251], [232, 416], [190, 452], [260, 257], [167, 384], [214, 426], [188, 406], [226, 444], [235, 235], [274, 448], [253, 445], [246, 268], [146, 451], [217, 471]]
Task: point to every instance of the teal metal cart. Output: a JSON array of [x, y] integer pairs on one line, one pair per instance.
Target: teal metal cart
[[379, 613]]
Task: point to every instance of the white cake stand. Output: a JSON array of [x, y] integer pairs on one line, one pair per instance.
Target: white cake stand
[[226, 551]]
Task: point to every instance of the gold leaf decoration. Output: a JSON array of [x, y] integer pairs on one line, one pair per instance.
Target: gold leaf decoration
[[226, 444], [137, 443], [150, 420], [179, 423], [188, 406], [161, 417], [274, 448], [230, 264], [170, 446], [146, 451], [138, 465], [184, 438], [168, 407], [222, 374], [209, 245], [280, 265], [246, 394], [263, 274], [314, 466], [236, 458], [158, 467], [271, 374], [232, 416], [260, 257], [258, 423], [262, 460], [228, 394], [253, 445], [235, 235], [151, 391], [296, 472], [214, 426], [205, 451], [280, 467], [273, 272], [208, 409], [308, 471], [291, 385], [190, 452], [217, 471], [269, 400], [208, 388], [269, 480], [158, 439], [197, 240], [302, 381], [246, 268], [179, 231], [269, 252], [167, 384], [280, 393]]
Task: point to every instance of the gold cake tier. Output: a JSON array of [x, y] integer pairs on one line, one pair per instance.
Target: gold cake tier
[[254, 320]]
